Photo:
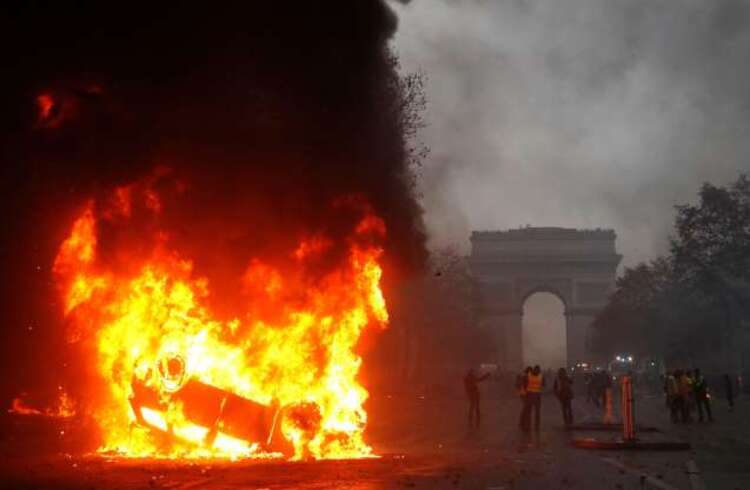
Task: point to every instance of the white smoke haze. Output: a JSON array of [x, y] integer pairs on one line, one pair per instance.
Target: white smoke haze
[[577, 113], [544, 331]]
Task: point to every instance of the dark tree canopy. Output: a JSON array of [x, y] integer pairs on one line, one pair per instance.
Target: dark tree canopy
[[693, 302]]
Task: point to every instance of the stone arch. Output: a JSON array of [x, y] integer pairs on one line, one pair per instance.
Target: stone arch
[[578, 266]]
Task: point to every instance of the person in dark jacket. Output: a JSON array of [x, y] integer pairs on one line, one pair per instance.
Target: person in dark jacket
[[471, 384], [729, 390], [521, 382], [672, 394], [589, 383], [700, 392], [563, 389]]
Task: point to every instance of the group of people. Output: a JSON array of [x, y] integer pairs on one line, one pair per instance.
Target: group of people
[[530, 383], [598, 387], [686, 390]]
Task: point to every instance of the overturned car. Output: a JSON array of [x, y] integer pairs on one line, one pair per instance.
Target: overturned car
[[181, 409]]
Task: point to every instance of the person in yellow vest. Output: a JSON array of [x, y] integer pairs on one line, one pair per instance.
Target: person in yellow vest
[[685, 388], [534, 386]]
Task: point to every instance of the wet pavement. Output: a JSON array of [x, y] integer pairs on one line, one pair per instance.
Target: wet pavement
[[424, 443]]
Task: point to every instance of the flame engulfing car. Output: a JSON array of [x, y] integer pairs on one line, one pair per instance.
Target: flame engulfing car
[[208, 416], [276, 370]]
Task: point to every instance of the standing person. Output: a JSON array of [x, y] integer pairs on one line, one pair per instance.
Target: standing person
[[525, 406], [684, 388], [521, 380], [563, 390], [589, 388], [471, 384], [595, 385], [672, 395], [691, 395], [678, 398], [700, 392], [534, 386], [729, 390]]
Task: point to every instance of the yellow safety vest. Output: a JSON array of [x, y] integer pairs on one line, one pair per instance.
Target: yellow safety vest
[[535, 383]]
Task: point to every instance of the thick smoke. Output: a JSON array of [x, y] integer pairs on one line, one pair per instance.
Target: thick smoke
[[268, 112], [578, 113]]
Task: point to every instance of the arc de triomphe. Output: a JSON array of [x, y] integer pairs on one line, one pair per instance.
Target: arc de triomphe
[[578, 266]]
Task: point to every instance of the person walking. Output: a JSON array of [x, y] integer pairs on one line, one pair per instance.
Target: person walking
[[729, 391], [534, 386], [471, 384], [563, 389], [700, 392]]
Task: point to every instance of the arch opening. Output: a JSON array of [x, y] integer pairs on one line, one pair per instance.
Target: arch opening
[[544, 330]]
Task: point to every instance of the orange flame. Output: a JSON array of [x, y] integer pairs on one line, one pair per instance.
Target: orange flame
[[151, 327], [45, 104], [64, 408]]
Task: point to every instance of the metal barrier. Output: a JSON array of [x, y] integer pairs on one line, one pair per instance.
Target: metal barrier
[[629, 440]]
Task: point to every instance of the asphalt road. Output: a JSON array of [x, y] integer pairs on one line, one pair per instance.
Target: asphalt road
[[424, 443]]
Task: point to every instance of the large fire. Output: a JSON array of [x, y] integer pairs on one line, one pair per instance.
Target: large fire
[[171, 379]]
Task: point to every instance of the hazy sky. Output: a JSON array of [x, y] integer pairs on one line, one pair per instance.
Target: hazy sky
[[580, 113]]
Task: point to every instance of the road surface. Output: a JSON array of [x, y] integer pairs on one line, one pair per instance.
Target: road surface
[[424, 443]]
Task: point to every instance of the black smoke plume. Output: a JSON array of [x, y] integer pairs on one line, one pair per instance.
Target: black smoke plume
[[270, 110]]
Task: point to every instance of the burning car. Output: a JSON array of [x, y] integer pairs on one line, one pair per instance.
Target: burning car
[[183, 409], [276, 375]]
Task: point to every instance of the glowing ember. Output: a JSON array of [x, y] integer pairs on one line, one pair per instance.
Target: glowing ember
[[282, 372]]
